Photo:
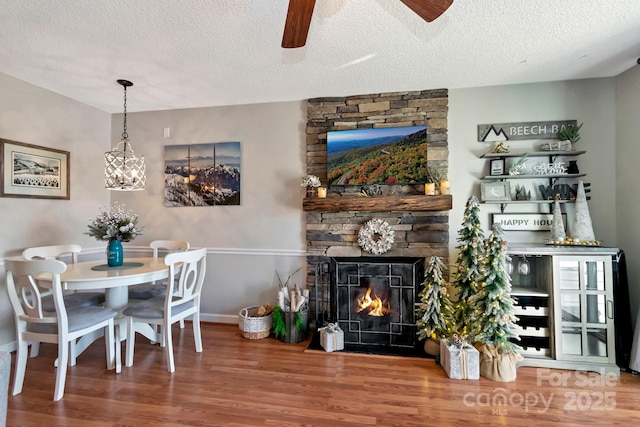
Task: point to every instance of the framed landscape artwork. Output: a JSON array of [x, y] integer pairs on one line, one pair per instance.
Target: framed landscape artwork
[[31, 171], [377, 156], [202, 174]]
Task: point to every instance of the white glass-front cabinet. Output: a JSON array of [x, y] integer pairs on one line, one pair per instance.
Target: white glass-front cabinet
[[583, 301], [565, 307]]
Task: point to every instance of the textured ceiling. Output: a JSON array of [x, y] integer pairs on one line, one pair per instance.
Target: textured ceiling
[[197, 53]]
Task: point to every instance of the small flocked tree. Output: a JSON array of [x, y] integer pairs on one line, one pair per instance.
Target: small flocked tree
[[468, 268], [434, 310], [495, 306]]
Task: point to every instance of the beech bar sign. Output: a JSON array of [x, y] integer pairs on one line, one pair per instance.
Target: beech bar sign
[[524, 130]]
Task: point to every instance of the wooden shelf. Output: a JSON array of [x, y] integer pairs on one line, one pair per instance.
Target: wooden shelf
[[513, 202], [563, 175], [533, 154], [378, 204]]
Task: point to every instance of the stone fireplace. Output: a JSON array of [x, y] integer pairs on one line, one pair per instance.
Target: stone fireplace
[[420, 222]]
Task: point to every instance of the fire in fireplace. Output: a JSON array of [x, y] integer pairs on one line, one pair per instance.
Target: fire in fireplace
[[372, 304], [373, 301]]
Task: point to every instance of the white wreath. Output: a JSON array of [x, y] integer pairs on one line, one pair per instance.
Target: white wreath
[[376, 236]]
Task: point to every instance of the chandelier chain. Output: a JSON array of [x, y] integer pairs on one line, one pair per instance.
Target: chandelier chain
[[124, 131]]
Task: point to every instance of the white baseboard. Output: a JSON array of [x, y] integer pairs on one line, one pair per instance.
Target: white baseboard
[[219, 318]]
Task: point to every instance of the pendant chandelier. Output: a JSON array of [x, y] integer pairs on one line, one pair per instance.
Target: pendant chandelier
[[123, 170]]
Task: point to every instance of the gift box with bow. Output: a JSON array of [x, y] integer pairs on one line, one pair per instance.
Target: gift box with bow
[[331, 337], [460, 360]]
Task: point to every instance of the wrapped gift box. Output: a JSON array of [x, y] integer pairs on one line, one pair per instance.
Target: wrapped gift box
[[332, 338], [460, 363]]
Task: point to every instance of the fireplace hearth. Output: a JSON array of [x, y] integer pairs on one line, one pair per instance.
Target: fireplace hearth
[[373, 300]]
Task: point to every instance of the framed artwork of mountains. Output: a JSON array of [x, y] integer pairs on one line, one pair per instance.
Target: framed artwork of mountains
[[202, 174]]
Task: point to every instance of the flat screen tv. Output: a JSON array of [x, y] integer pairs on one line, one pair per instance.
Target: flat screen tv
[[377, 156]]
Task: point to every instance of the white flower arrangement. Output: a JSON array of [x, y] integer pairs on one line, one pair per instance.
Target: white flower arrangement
[[310, 181], [114, 224], [376, 236]]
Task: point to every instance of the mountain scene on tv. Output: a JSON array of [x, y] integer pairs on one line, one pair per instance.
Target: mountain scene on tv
[[377, 156], [202, 174]]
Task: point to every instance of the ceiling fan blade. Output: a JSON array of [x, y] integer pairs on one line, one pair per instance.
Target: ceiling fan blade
[[428, 10], [297, 24]]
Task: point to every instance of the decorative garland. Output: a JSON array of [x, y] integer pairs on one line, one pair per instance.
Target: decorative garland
[[376, 236]]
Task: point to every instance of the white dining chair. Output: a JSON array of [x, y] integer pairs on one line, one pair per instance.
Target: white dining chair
[[62, 326], [181, 300], [145, 291], [68, 252]]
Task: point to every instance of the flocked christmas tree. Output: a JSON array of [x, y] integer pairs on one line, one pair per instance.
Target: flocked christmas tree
[[496, 321], [434, 311], [469, 267]]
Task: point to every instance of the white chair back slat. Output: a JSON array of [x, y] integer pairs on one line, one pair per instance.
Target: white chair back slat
[[30, 297], [188, 286], [70, 251], [24, 293], [169, 246]]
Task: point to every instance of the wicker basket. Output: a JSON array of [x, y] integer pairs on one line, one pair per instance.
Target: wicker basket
[[254, 328], [293, 334]]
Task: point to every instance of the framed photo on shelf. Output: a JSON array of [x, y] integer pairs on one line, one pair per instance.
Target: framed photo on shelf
[[499, 191], [31, 171], [497, 167]]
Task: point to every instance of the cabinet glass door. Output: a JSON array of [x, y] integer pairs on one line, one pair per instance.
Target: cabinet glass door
[[584, 308]]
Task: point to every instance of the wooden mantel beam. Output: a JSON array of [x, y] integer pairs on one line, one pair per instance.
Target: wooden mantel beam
[[378, 203]]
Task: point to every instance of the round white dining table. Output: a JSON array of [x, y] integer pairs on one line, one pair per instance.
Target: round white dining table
[[92, 275]]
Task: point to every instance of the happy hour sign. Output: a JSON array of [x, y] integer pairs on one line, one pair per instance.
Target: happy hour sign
[[526, 221]]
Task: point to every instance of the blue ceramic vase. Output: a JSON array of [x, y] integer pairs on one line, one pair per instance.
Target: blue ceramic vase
[[115, 254]]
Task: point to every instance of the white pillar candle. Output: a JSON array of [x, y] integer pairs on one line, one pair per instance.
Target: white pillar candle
[[430, 189], [445, 187], [322, 192]]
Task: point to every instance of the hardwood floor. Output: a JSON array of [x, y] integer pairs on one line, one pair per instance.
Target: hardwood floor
[[239, 382]]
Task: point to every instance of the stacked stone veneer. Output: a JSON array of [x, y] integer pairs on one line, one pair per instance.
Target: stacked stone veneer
[[417, 234]]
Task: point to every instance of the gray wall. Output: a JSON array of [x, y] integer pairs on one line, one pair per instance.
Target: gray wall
[[627, 176], [36, 116], [609, 108], [589, 101], [247, 243]]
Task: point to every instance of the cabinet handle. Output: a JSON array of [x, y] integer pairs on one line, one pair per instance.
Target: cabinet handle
[[610, 309]]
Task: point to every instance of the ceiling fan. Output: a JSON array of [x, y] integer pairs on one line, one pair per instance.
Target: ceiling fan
[[296, 27]]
